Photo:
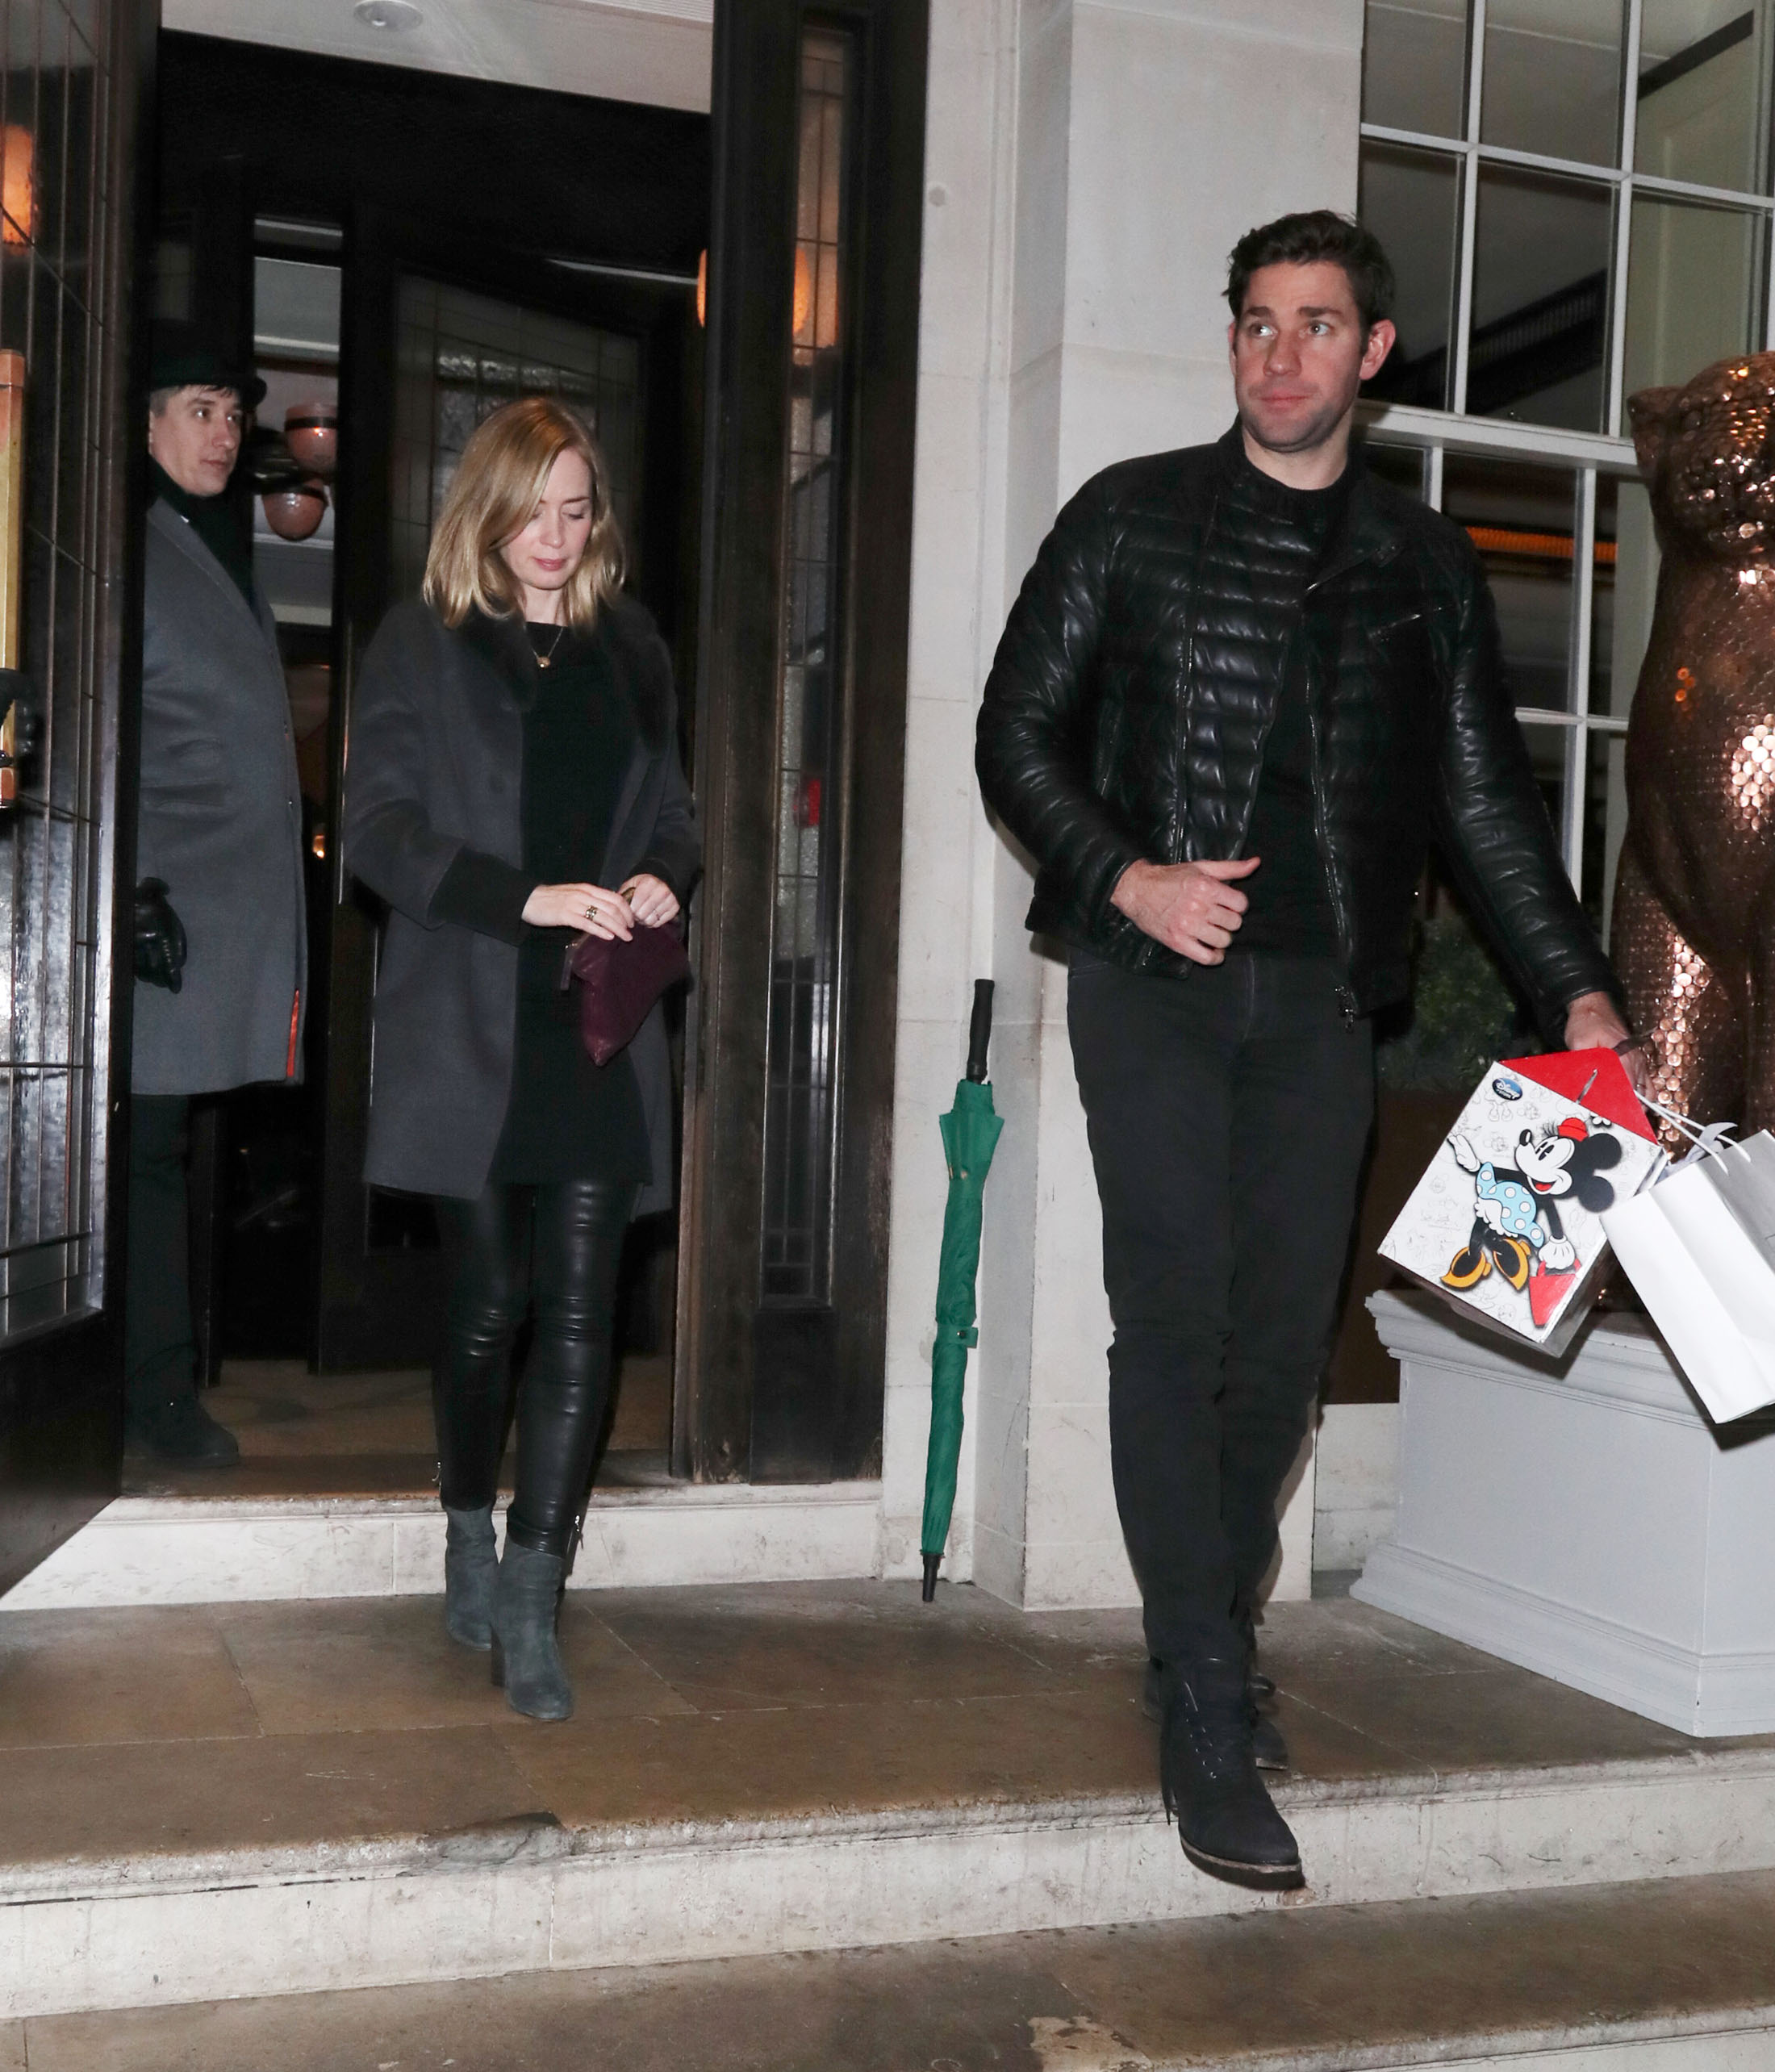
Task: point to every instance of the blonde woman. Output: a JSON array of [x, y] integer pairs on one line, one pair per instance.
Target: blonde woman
[[514, 782]]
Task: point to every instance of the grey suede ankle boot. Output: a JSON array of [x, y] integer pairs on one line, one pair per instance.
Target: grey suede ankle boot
[[471, 1561], [526, 1657]]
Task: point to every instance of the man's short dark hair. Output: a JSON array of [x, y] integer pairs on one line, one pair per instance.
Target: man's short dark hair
[[1306, 241], [159, 397]]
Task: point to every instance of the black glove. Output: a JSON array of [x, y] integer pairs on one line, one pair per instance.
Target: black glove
[[160, 938]]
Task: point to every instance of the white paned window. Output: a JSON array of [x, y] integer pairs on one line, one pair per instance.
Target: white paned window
[[1575, 197]]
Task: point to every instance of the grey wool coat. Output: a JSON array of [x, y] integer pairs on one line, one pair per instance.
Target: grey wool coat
[[219, 819], [436, 766]]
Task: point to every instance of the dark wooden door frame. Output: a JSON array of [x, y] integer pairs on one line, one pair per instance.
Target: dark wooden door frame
[[61, 1410], [735, 1415]]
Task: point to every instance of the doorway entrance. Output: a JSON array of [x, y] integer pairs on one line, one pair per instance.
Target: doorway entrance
[[392, 334], [748, 367]]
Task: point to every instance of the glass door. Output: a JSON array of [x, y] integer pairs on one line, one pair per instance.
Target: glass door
[[814, 306], [68, 450]]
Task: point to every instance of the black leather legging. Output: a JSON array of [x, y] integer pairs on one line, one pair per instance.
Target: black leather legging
[[555, 1249]]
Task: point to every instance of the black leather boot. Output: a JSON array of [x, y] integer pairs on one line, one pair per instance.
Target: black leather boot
[[1225, 1819], [1269, 1750], [177, 1430], [526, 1656], [1258, 1684], [471, 1561]]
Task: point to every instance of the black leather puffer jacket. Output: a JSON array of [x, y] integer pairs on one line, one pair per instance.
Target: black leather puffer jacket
[[1126, 716]]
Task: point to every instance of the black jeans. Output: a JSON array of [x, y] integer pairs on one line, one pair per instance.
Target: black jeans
[[554, 1250], [159, 1351], [1228, 1113]]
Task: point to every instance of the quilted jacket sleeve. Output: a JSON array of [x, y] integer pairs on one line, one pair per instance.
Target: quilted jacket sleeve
[[1492, 825], [1035, 740]]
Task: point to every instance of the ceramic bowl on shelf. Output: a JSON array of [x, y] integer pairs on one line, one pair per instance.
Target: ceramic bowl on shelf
[[311, 432], [293, 513]]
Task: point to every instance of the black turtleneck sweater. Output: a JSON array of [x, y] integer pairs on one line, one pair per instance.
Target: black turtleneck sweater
[[215, 520], [1290, 911]]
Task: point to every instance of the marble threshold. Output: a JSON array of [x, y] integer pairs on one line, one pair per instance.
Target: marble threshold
[[528, 1893], [167, 1550]]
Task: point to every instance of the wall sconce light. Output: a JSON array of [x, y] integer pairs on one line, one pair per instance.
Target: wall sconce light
[[809, 325], [803, 295], [816, 309], [295, 511], [17, 185], [311, 432]]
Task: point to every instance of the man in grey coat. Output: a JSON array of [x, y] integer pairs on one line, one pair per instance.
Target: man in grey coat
[[220, 926]]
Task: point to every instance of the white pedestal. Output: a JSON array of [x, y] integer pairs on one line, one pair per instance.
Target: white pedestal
[[1582, 1517]]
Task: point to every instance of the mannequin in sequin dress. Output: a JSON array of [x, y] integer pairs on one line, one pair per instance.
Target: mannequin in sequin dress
[[1693, 932]]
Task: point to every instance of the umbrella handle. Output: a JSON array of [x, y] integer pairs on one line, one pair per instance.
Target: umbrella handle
[[979, 1030]]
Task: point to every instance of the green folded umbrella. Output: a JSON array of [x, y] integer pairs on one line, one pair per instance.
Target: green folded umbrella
[[971, 1134]]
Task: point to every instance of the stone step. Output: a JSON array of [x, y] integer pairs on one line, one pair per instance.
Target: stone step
[[261, 1547], [528, 1893], [236, 1800], [1669, 1975]]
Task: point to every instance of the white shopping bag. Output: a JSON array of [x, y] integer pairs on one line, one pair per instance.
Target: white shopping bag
[[1506, 1222], [1698, 1245]]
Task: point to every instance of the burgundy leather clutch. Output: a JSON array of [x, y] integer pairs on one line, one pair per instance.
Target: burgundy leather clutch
[[619, 982]]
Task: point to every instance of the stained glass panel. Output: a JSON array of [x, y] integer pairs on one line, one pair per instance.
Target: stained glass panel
[[801, 1110]]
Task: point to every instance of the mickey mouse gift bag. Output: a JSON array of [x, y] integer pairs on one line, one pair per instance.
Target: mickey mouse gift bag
[[1506, 1223]]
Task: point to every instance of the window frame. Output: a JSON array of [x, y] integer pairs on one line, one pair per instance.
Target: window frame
[[1438, 433]]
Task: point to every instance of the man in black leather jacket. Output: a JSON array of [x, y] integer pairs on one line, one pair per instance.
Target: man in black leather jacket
[[1243, 689]]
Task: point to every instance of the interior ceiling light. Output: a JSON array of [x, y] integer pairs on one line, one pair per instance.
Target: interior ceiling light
[[388, 13]]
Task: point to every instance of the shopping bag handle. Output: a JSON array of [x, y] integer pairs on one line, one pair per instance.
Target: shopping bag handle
[[1708, 1138]]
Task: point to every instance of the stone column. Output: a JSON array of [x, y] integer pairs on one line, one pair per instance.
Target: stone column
[[1087, 167]]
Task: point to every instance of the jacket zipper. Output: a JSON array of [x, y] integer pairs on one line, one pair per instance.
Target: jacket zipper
[[1321, 835], [1176, 831], [1263, 747]]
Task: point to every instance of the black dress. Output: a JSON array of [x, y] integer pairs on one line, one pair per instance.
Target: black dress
[[566, 1118]]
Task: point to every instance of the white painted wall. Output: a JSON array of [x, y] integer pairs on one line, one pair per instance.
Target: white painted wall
[[1356, 1483], [1088, 165]]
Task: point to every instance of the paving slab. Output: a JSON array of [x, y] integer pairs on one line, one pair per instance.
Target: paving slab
[[76, 1819], [388, 1663], [1685, 1966], [800, 1644], [163, 1673], [813, 1761]]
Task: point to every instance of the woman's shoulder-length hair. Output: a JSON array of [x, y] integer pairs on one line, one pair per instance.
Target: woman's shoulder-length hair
[[496, 487]]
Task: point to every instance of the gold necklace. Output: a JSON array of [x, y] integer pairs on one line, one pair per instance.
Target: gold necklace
[[543, 661]]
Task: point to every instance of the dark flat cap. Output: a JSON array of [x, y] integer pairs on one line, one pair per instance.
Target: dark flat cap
[[184, 359]]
